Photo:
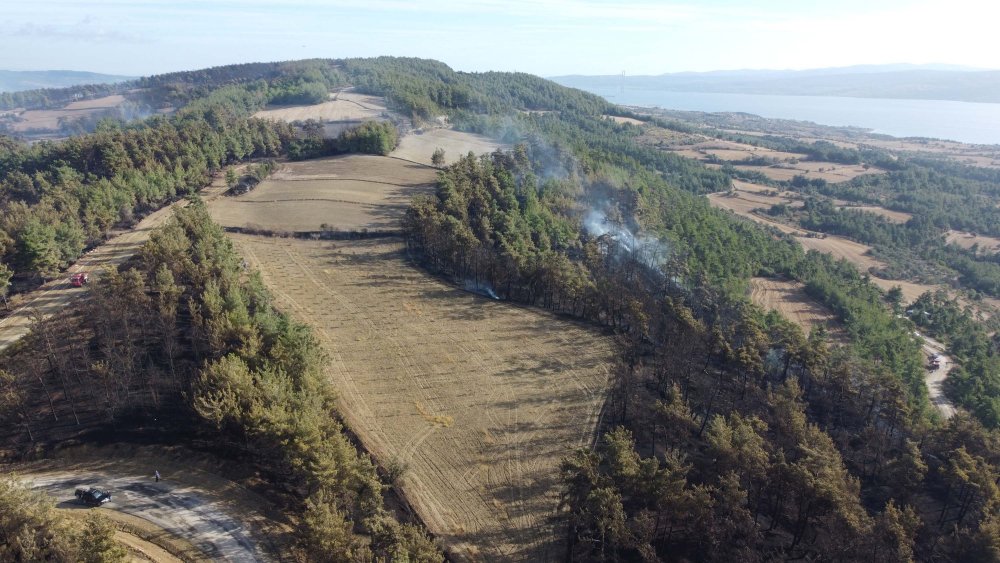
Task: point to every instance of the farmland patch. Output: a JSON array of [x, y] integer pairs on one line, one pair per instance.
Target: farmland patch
[[478, 399], [790, 299], [349, 193], [418, 146]]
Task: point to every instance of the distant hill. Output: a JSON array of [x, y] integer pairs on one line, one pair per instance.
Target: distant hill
[[20, 80], [923, 82]]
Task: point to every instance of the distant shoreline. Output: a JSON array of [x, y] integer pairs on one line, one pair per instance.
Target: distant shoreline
[[966, 122]]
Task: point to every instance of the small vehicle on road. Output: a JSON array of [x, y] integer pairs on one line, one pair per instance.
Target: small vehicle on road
[[79, 279], [93, 496]]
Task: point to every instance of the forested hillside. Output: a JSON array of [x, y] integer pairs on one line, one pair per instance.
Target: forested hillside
[[187, 345], [730, 434], [737, 435]]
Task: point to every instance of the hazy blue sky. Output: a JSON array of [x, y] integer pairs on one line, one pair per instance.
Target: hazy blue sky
[[545, 37]]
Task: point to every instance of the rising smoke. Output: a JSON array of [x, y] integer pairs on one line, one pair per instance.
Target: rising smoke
[[482, 288], [647, 250]]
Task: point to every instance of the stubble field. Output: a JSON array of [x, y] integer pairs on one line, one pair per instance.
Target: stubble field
[[36, 120], [790, 299], [352, 192], [419, 147], [967, 240], [479, 399], [342, 106]]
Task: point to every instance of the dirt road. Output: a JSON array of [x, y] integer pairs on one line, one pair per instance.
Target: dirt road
[[182, 510], [935, 378], [57, 294]]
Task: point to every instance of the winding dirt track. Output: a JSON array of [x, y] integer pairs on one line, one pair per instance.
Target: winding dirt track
[[58, 294], [935, 378]]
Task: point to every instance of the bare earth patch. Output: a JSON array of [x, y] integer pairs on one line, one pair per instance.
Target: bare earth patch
[[831, 172], [97, 103], [479, 399], [619, 119], [744, 186], [351, 192], [48, 119], [419, 146], [899, 217], [854, 252], [745, 202], [967, 240], [343, 106], [790, 299]]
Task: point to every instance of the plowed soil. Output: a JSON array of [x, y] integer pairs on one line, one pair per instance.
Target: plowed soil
[[480, 399]]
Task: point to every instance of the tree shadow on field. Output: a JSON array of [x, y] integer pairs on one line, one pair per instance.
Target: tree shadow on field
[[523, 544], [541, 540], [566, 399]]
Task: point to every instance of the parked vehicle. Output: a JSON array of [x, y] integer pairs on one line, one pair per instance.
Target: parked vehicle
[[93, 496], [79, 279]]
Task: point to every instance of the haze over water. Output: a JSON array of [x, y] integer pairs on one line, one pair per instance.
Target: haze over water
[[959, 121]]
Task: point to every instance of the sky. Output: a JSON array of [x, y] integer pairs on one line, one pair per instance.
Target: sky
[[543, 37]]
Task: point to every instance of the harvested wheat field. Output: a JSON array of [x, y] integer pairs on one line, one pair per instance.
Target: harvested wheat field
[[743, 186], [842, 248], [48, 119], [899, 217], [343, 106], [745, 203], [858, 254], [620, 119], [967, 240], [419, 146], [106, 102], [730, 150], [790, 299], [479, 399], [352, 192], [831, 172], [911, 290]]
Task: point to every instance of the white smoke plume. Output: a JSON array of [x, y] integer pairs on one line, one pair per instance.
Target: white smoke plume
[[647, 250], [482, 288]]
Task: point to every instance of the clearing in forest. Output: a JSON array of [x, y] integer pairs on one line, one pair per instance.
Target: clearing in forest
[[842, 248], [49, 119], [478, 399], [790, 299], [353, 192], [620, 119], [967, 240], [342, 106], [746, 201], [898, 217], [829, 171], [418, 146]]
